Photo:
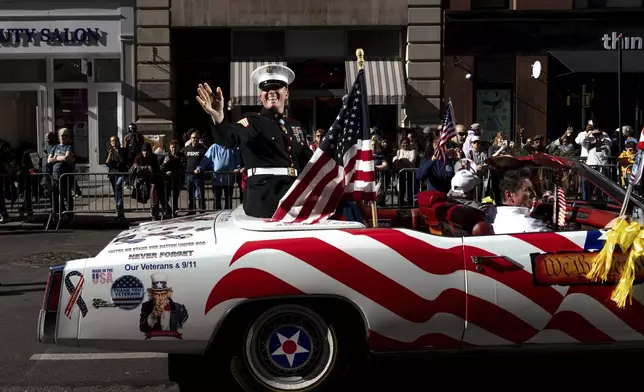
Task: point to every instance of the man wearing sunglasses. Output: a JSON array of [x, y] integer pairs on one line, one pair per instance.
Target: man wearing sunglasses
[[273, 147]]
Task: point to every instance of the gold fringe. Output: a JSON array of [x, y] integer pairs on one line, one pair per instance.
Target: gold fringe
[[626, 236]]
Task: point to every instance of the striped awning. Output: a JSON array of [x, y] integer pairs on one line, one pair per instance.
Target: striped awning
[[242, 89], [385, 81]]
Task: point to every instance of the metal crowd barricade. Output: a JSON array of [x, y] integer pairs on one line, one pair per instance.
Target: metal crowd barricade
[[28, 196], [404, 187], [218, 190], [96, 193]]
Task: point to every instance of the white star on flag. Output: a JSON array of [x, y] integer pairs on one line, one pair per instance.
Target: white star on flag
[[603, 236], [289, 352]]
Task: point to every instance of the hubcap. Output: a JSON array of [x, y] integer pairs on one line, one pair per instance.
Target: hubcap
[[290, 348]]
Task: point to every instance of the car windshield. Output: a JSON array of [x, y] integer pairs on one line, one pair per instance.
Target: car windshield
[[610, 188]]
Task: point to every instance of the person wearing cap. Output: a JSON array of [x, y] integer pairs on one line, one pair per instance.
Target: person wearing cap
[[626, 159], [464, 185], [476, 153], [273, 147], [475, 130]]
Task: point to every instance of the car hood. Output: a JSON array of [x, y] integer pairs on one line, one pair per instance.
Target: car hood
[[166, 235]]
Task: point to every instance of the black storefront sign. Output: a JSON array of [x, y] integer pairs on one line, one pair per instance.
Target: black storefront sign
[[584, 42]]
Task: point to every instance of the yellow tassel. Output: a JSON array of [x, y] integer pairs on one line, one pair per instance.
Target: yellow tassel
[[624, 289], [603, 262]]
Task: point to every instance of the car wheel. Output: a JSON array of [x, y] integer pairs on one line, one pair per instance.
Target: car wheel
[[290, 348]]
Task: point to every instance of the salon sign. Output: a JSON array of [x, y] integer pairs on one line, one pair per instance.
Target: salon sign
[[60, 37]]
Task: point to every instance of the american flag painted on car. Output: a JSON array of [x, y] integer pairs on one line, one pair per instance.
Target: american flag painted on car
[[417, 290]]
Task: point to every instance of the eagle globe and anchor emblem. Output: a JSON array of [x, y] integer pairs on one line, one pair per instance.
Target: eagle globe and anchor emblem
[[289, 348]]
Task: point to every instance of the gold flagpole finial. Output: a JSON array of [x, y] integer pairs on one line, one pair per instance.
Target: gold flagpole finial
[[360, 56]]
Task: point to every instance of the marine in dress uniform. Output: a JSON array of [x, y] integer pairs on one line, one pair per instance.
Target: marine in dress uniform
[[273, 147]]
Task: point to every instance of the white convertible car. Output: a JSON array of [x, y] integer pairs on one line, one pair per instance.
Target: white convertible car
[[289, 307]]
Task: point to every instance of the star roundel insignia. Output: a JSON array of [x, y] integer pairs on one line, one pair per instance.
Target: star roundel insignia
[[244, 122], [289, 347]]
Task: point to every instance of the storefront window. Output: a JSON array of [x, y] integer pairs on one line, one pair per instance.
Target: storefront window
[[70, 111], [17, 109], [490, 4], [326, 111], [494, 111], [608, 3], [262, 44], [318, 75], [108, 124], [68, 70], [328, 43], [384, 44], [385, 118], [302, 111], [107, 70], [23, 71]]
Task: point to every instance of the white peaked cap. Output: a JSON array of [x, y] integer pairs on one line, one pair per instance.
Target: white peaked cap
[[272, 72]]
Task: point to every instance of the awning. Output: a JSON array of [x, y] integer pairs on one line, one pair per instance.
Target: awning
[[385, 81], [242, 89], [600, 61]]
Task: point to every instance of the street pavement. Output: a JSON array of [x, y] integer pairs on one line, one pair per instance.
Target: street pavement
[[27, 366]]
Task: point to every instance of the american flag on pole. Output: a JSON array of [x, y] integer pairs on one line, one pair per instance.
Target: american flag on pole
[[448, 131], [342, 167]]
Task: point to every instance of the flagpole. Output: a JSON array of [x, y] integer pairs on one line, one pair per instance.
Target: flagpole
[[374, 209]]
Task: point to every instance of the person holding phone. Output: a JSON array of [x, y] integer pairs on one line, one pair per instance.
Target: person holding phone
[[500, 146]]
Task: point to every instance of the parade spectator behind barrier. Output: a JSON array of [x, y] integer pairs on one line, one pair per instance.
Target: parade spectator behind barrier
[[187, 137], [149, 184], [627, 158], [538, 144], [563, 145], [172, 166], [475, 130], [477, 154], [226, 163], [319, 134], [61, 161], [581, 136], [461, 135], [117, 163], [381, 166], [405, 159], [8, 167], [51, 140], [414, 144], [500, 146], [194, 153], [627, 132], [463, 189], [437, 174], [133, 142]]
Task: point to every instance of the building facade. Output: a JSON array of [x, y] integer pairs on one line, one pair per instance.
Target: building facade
[[490, 47], [185, 42], [66, 65]]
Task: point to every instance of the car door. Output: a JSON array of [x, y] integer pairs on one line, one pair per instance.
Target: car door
[[530, 288], [416, 295]]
